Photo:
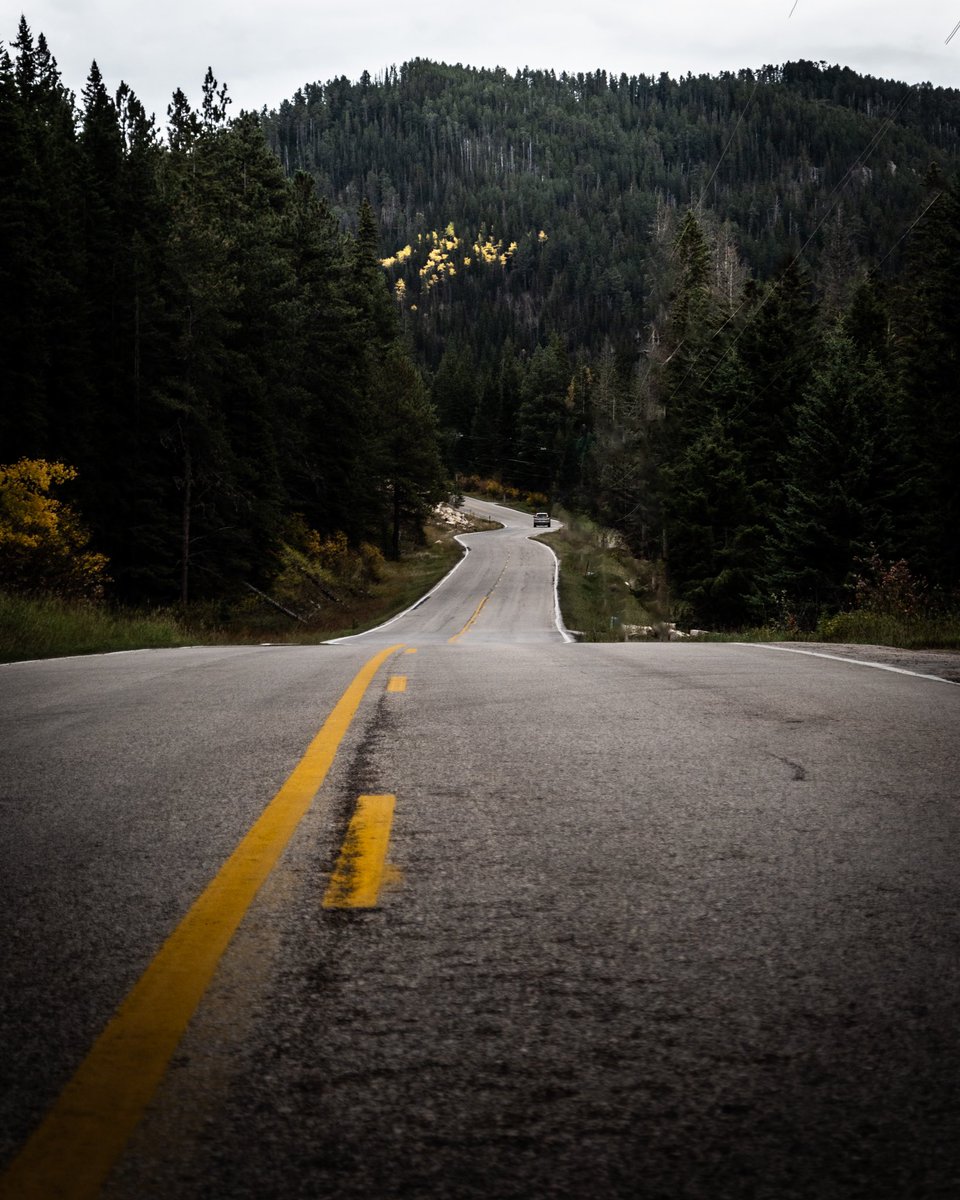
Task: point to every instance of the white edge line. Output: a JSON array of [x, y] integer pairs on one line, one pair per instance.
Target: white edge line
[[557, 615], [350, 637], [20, 662], [859, 662], [532, 537]]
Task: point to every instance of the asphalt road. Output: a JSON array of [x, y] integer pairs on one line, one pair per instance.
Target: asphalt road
[[657, 921]]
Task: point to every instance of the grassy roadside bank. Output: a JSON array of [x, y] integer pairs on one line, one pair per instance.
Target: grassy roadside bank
[[606, 595], [46, 627], [600, 583], [864, 629]]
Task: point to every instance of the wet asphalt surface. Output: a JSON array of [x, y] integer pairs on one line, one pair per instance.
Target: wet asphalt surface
[[661, 920]]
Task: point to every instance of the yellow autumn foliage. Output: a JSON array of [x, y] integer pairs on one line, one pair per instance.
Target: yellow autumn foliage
[[445, 257], [43, 545], [315, 572]]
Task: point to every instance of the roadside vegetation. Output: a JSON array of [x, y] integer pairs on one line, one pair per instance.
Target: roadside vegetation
[[605, 593], [338, 590], [502, 493], [608, 595], [862, 629], [50, 626], [267, 389], [333, 592], [887, 605]]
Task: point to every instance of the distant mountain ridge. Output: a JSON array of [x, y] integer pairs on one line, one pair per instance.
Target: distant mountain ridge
[[803, 156]]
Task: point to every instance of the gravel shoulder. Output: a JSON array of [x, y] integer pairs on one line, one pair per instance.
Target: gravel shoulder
[[945, 664]]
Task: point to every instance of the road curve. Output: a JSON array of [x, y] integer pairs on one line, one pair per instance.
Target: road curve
[[656, 921], [502, 591]]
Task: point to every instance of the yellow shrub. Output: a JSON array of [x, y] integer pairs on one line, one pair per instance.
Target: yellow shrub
[[43, 545]]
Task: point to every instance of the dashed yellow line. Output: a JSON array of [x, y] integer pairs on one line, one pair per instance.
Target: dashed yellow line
[[479, 608], [397, 683], [476, 613], [72, 1152], [359, 872]]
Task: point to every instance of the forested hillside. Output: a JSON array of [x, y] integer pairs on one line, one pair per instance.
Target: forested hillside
[[193, 335], [715, 311], [798, 157], [718, 313]]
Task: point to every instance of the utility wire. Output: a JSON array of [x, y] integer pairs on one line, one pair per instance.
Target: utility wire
[[910, 228], [833, 198], [756, 84]]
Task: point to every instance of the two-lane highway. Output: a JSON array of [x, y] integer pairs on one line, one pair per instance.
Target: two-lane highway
[[561, 920], [505, 585]]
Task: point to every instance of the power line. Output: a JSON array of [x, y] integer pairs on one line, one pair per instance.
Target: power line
[[834, 198], [910, 228], [756, 84]]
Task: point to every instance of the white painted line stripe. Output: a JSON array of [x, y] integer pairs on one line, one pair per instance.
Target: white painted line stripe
[[557, 615], [352, 637], [859, 662]]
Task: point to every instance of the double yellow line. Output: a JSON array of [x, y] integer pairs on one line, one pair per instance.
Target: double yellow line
[[73, 1150]]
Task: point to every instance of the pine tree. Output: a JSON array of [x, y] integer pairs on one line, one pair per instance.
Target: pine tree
[[330, 428], [43, 354], [544, 425], [455, 393], [929, 337], [835, 505], [101, 430], [23, 418], [412, 474], [777, 351], [714, 551]]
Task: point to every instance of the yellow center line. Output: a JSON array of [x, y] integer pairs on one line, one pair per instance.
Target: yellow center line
[[397, 683], [476, 613], [358, 875], [478, 609], [73, 1150]]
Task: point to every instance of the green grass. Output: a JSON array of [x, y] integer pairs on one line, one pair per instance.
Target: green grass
[[401, 584], [602, 589], [883, 629], [49, 627], [868, 629], [599, 580], [601, 586]]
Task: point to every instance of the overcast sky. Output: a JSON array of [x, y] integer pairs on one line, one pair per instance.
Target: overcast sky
[[265, 50]]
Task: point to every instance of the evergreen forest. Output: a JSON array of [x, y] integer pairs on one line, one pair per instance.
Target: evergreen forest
[[195, 336], [716, 313]]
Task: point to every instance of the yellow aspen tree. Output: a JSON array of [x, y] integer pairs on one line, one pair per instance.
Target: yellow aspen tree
[[43, 545]]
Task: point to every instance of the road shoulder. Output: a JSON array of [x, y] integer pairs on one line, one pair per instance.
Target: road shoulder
[[943, 663]]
